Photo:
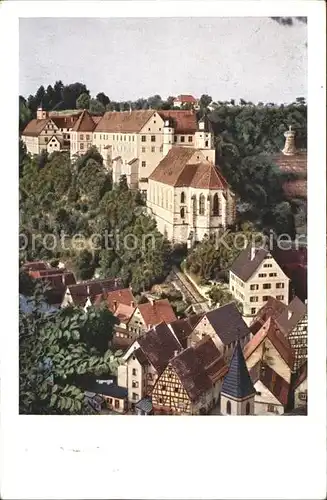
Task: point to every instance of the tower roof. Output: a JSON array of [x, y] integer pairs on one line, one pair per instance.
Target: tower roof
[[237, 382]]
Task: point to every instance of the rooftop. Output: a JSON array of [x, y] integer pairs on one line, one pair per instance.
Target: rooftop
[[237, 383]]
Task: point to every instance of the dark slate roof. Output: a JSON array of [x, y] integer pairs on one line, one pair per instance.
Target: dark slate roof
[[243, 266], [273, 308], [145, 404], [111, 390], [238, 383], [159, 345], [228, 323], [292, 315]]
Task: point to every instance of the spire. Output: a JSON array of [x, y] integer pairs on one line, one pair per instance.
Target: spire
[[237, 383], [289, 148]]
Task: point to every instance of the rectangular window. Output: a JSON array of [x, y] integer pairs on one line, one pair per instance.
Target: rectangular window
[[265, 298], [46, 139], [272, 275], [280, 297], [254, 299], [153, 138], [279, 285], [266, 286], [100, 137], [254, 287], [82, 137], [163, 387], [143, 138], [267, 265], [135, 384], [143, 149], [124, 137], [262, 275], [176, 389], [143, 164], [253, 310], [175, 138], [135, 396], [81, 146], [87, 137], [182, 138], [153, 149], [271, 408], [190, 138], [110, 401], [116, 403], [134, 371], [94, 136]]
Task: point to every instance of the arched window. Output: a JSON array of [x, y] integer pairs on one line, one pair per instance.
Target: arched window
[[201, 204], [194, 205], [183, 197], [247, 409], [182, 213], [228, 408], [215, 206]]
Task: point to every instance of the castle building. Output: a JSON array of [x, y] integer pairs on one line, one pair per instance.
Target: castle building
[[188, 196]]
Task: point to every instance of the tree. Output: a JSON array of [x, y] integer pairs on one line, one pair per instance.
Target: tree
[[96, 107], [103, 98], [205, 100], [58, 352], [155, 102], [220, 296], [83, 265], [83, 101], [71, 93]]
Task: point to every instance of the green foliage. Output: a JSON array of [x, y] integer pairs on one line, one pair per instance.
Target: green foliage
[[83, 101], [219, 295], [96, 107], [57, 351]]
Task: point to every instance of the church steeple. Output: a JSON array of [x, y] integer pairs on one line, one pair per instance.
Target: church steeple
[[237, 392]]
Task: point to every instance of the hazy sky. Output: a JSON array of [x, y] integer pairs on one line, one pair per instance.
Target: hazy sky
[[252, 58]]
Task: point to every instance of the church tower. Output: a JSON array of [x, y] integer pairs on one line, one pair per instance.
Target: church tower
[[237, 392], [204, 139], [289, 148], [41, 113]]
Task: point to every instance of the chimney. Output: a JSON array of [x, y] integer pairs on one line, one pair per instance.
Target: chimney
[[132, 303], [252, 252], [115, 305], [289, 314], [289, 148]]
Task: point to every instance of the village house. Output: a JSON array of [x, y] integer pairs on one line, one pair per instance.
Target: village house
[[83, 294], [191, 382], [150, 314], [48, 131], [145, 360], [300, 387], [237, 392], [225, 326], [103, 393], [81, 134], [189, 197], [293, 261], [270, 346], [254, 277], [184, 327], [271, 390], [292, 321], [185, 99]]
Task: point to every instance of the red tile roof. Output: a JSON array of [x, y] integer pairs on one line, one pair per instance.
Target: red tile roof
[[179, 168], [65, 121], [115, 297], [270, 379], [37, 265], [271, 330], [124, 121], [157, 312], [186, 98], [183, 122], [272, 309], [35, 127], [91, 288], [85, 123], [124, 312]]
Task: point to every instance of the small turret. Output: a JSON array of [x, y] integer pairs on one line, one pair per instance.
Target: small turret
[[289, 148], [168, 137], [41, 113]]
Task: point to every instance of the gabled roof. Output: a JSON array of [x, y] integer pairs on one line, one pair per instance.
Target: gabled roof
[[156, 312], [273, 308], [183, 328], [271, 330], [271, 380], [191, 373], [91, 288], [243, 266], [291, 316], [35, 127], [187, 167], [237, 383], [65, 121], [228, 323], [113, 298], [124, 121], [159, 345], [85, 123], [37, 265], [183, 122], [186, 98]]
